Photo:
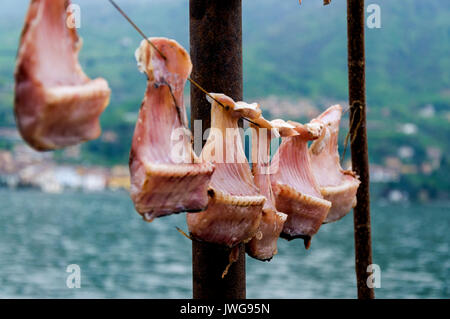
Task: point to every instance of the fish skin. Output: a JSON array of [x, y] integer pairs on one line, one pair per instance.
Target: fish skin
[[263, 245], [164, 181], [56, 105], [296, 190], [337, 185], [306, 213], [235, 205]]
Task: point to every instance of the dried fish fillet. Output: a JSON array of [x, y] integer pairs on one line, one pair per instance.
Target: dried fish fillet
[[166, 177], [296, 190], [336, 185], [264, 245], [235, 205], [56, 104]]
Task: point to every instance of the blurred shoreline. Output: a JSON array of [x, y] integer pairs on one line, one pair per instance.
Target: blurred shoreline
[[57, 172], [25, 168]]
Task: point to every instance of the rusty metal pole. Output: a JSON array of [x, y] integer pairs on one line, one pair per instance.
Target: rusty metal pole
[[360, 158], [216, 53]]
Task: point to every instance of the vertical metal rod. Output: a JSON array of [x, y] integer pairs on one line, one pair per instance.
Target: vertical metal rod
[[360, 160], [216, 53]]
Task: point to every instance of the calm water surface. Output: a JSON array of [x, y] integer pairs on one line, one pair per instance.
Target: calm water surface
[[123, 257]]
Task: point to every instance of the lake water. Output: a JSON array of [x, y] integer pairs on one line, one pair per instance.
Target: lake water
[[121, 256]]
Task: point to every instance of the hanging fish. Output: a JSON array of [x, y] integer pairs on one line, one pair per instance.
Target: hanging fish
[[235, 205], [166, 176], [56, 104], [296, 190], [336, 185], [264, 245]]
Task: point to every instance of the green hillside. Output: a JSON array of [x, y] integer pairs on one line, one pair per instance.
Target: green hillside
[[290, 51]]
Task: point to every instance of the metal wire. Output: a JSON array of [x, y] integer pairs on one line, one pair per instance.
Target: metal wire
[[198, 86]]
